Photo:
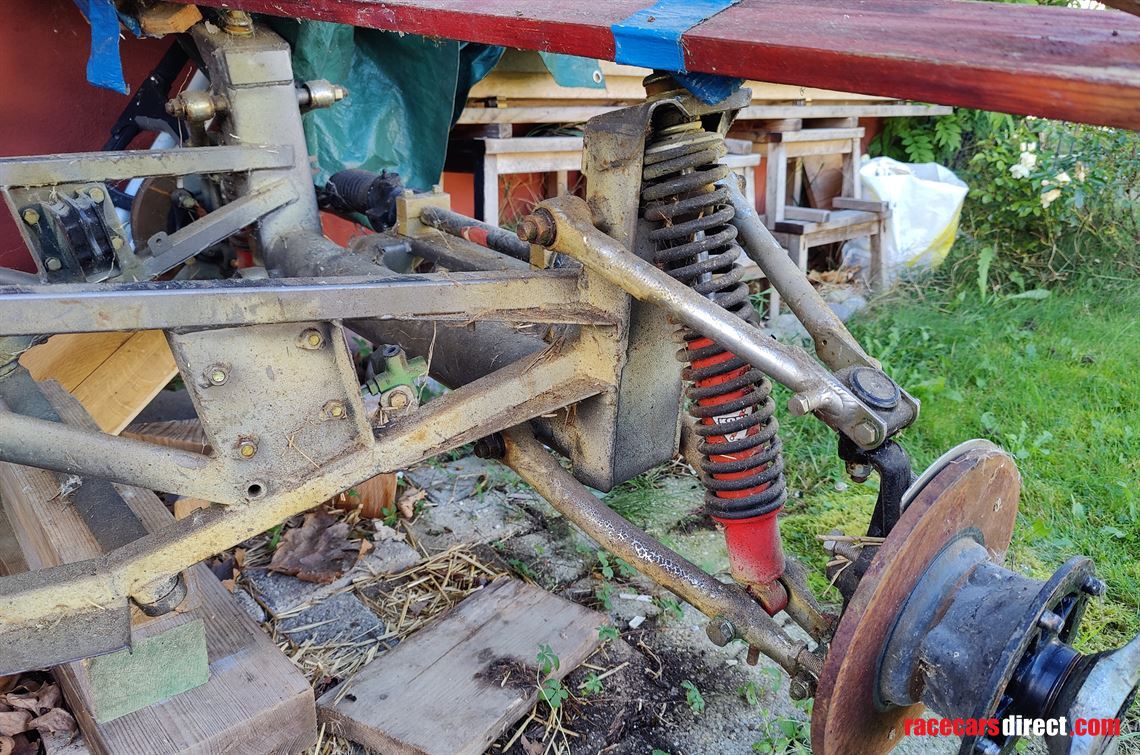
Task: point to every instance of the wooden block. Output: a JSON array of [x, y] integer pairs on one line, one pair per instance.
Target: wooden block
[[114, 375], [455, 686], [254, 701], [167, 18], [866, 205], [810, 214], [185, 434], [824, 179]]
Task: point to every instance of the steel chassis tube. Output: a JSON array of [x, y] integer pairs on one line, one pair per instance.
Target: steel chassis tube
[[527, 457], [571, 231]]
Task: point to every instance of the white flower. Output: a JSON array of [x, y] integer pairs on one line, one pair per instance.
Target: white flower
[[1029, 160], [1019, 171], [1081, 172], [1032, 146], [1050, 197], [1062, 178]]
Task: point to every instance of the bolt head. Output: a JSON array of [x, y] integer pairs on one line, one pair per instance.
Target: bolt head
[[864, 433], [528, 229], [53, 264], [217, 375], [247, 449], [311, 338], [334, 410], [398, 400], [859, 472], [720, 631], [96, 194], [117, 242], [799, 690], [31, 217], [1051, 622], [1093, 586]]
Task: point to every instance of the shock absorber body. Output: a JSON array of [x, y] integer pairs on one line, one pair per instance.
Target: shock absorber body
[[694, 241]]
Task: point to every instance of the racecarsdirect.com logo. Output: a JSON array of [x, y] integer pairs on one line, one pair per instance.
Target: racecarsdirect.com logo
[[1013, 726]]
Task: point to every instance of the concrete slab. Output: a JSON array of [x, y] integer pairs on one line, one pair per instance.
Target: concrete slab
[[340, 618]]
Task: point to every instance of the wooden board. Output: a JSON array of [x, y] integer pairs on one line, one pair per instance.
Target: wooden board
[[565, 112], [255, 699], [114, 375], [442, 691], [1024, 59], [186, 434]]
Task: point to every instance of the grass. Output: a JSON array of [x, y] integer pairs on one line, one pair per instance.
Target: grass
[[1053, 382]]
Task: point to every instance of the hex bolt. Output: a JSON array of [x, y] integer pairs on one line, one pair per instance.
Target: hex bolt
[[720, 631], [1093, 586], [398, 400], [217, 375], [538, 228], [96, 194], [334, 410], [116, 242], [802, 404], [798, 689], [1051, 622], [864, 433], [53, 264], [311, 338], [247, 448], [31, 217]]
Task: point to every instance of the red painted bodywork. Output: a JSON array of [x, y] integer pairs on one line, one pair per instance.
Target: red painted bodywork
[[1068, 63]]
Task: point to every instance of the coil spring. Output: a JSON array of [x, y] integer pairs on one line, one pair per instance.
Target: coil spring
[[695, 242]]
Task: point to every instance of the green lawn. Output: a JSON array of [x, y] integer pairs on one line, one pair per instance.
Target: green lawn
[[1053, 381]]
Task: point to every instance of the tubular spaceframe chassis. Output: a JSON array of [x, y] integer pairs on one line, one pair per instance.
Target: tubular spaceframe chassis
[[575, 350], [260, 379]]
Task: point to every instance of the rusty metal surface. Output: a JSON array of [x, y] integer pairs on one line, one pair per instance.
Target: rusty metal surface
[[973, 486], [715, 599]]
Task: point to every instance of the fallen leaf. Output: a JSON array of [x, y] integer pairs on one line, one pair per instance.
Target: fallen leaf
[[408, 501], [7, 744], [7, 683], [49, 696], [14, 722], [29, 702], [385, 533], [317, 551], [56, 720]]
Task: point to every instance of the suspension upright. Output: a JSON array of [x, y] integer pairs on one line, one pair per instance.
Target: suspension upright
[[693, 240]]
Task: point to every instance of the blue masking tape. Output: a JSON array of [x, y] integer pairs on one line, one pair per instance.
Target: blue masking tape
[[104, 68], [651, 38]]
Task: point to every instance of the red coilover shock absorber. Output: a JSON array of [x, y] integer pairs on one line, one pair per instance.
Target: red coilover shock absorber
[[694, 242]]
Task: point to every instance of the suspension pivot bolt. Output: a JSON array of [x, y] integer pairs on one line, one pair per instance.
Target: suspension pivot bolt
[[1051, 622], [865, 434], [538, 228], [247, 448], [720, 631], [1093, 586], [31, 217], [805, 403]]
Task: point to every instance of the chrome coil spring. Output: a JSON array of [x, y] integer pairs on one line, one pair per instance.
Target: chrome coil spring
[[695, 242]]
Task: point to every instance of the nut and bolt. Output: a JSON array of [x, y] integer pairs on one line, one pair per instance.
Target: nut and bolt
[[398, 400], [1051, 622], [31, 217], [217, 375], [247, 448], [96, 194], [237, 22], [1093, 586], [802, 404], [859, 472], [538, 228], [53, 264], [334, 410], [720, 631], [491, 447], [798, 689], [311, 338], [117, 243]]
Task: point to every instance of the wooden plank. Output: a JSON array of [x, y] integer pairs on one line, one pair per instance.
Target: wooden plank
[[866, 205], [70, 358], [186, 434], [556, 113], [114, 375], [125, 383], [255, 700], [522, 144], [167, 18], [810, 214], [455, 686], [895, 48]]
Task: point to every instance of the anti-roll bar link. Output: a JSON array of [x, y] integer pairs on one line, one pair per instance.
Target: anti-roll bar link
[[564, 224]]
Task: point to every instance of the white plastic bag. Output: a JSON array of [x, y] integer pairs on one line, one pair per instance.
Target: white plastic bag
[[926, 202]]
